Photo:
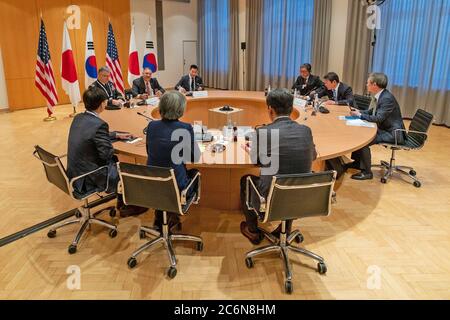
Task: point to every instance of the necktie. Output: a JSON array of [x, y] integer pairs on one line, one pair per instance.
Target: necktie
[[192, 84], [335, 95], [373, 105], [148, 88]]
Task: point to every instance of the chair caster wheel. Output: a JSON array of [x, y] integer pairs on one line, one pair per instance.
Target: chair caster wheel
[[132, 263], [78, 214], [249, 263], [288, 287], [51, 234], [413, 173], [142, 235], [299, 239], [113, 233], [322, 268], [417, 184], [199, 246], [112, 213], [172, 272], [72, 249], [383, 180]]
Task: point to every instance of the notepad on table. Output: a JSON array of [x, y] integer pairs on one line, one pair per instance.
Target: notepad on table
[[360, 123]]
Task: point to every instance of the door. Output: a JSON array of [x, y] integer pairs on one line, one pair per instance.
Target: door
[[189, 54]]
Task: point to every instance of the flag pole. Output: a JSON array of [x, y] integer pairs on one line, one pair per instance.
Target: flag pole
[[50, 117], [74, 113]]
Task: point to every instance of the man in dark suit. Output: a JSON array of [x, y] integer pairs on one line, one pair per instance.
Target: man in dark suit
[[190, 82], [161, 143], [308, 84], [290, 149], [385, 112], [114, 97], [338, 92], [90, 148], [146, 86]]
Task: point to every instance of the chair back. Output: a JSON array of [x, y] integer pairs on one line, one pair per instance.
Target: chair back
[[150, 187], [54, 169], [300, 196], [418, 128], [362, 102]]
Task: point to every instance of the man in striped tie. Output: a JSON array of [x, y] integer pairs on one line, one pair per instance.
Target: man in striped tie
[[115, 98]]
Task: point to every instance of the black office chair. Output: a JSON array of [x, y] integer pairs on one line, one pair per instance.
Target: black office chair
[[156, 188], [56, 175], [362, 102], [291, 197], [415, 139]]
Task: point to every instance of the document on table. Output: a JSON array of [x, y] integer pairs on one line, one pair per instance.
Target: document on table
[[360, 123]]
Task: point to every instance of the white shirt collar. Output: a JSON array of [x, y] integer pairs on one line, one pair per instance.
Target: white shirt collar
[[281, 117], [337, 87], [377, 96], [95, 114]]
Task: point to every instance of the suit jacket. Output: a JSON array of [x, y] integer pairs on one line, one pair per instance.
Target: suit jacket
[[89, 148], [344, 95], [388, 117], [184, 83], [160, 146], [295, 151], [305, 88], [139, 86], [110, 90]]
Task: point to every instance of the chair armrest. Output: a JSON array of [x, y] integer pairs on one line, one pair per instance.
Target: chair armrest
[[410, 131], [185, 191], [262, 200], [72, 181]]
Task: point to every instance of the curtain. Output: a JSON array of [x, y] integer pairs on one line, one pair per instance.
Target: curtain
[[218, 34], [413, 50], [280, 39], [321, 36], [357, 47]]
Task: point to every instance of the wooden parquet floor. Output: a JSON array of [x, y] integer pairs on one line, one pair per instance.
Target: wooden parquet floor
[[393, 233]]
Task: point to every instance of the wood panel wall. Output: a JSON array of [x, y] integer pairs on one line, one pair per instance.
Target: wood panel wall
[[20, 23]]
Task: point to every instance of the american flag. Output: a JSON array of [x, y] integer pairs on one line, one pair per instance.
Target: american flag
[[45, 79], [113, 62]]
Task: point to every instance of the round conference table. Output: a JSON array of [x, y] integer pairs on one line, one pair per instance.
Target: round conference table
[[221, 172]]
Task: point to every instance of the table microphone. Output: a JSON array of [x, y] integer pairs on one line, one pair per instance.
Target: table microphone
[[143, 115]]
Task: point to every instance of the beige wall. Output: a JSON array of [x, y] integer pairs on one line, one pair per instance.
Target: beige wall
[[3, 92], [338, 36], [180, 23]]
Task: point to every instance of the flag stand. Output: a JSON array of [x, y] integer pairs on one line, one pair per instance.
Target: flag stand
[[74, 113], [49, 119]]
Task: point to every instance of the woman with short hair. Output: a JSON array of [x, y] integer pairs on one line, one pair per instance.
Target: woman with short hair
[[166, 134]]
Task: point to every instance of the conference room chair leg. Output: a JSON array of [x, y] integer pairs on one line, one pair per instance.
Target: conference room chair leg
[[269, 236], [147, 230], [166, 238], [183, 237], [52, 232], [263, 250], [76, 241], [102, 223], [307, 253], [295, 235], [146, 246], [391, 168], [287, 270], [283, 246]]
